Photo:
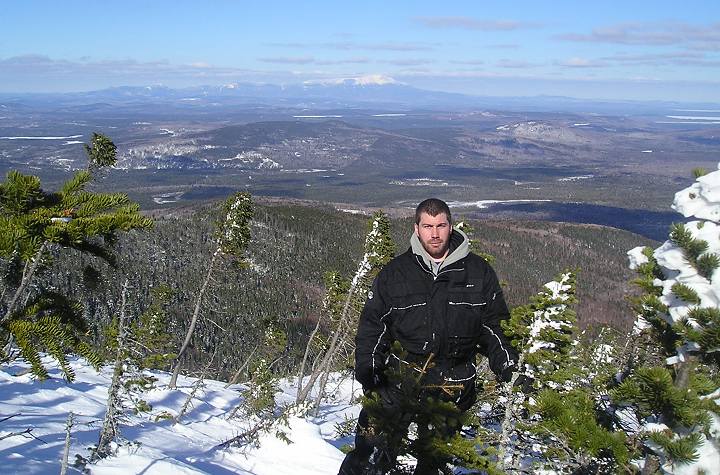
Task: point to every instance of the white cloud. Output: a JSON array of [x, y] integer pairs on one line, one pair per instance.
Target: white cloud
[[353, 45], [515, 64], [469, 23], [367, 80], [386, 46], [289, 60], [472, 62], [581, 63], [703, 37], [406, 61]]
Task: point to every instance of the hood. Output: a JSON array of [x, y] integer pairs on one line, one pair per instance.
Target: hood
[[459, 249]]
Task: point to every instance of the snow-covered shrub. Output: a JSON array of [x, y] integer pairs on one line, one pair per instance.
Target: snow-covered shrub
[[555, 426], [675, 403]]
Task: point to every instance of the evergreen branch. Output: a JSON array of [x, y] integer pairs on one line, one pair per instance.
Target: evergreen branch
[[686, 293], [706, 264], [75, 185]]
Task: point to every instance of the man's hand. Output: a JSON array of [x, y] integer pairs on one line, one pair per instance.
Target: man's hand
[[385, 395], [507, 373], [524, 383]]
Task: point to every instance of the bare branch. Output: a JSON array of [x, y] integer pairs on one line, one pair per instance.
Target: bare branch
[[13, 434]]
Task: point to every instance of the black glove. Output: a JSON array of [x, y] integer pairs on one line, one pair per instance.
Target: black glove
[[385, 395], [524, 383], [507, 373]]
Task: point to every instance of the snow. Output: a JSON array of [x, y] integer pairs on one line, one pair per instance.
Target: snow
[[636, 257], [576, 178], [352, 211], [711, 111], [691, 117], [557, 291], [482, 204], [701, 201], [419, 182], [158, 446], [306, 170], [316, 116], [689, 122], [172, 197]]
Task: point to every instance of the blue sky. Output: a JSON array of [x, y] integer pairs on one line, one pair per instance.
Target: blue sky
[[632, 49]]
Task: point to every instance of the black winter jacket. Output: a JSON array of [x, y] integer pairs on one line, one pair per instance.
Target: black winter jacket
[[453, 315]]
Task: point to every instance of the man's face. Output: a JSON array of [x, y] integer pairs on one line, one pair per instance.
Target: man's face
[[434, 233]]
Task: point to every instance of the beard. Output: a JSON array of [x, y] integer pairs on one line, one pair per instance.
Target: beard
[[436, 248]]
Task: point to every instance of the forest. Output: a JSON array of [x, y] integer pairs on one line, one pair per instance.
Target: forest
[[254, 290]]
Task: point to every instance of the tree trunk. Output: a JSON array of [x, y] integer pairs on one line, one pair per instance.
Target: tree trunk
[[28, 273], [301, 373], [236, 376], [196, 314], [109, 431], [321, 390], [651, 465], [330, 353], [505, 449], [684, 369], [66, 450]]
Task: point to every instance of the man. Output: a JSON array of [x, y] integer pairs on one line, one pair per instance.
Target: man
[[440, 302]]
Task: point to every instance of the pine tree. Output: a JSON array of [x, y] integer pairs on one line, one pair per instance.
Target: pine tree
[[232, 235], [556, 426], [343, 308], [148, 342], [410, 418], [263, 381], [35, 225], [674, 402], [475, 246]]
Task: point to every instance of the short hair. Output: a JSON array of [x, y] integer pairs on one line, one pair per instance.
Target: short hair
[[433, 207]]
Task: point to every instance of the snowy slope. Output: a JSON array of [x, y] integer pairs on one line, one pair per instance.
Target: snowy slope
[[158, 447]]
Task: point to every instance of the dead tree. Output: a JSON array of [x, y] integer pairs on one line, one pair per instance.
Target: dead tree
[[110, 431]]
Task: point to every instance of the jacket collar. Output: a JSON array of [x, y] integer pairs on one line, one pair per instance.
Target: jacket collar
[[459, 249]]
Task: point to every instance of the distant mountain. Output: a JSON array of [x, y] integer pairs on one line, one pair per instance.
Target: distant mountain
[[343, 93]]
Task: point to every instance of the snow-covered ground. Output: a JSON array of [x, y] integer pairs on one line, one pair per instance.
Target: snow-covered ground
[[159, 446]]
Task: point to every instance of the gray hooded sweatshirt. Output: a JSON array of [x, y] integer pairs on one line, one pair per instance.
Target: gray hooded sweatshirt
[[459, 248]]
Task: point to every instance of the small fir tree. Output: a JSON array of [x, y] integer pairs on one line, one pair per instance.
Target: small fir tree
[[232, 234], [475, 246], [149, 345], [556, 427], [263, 381], [343, 308], [35, 224], [411, 418]]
